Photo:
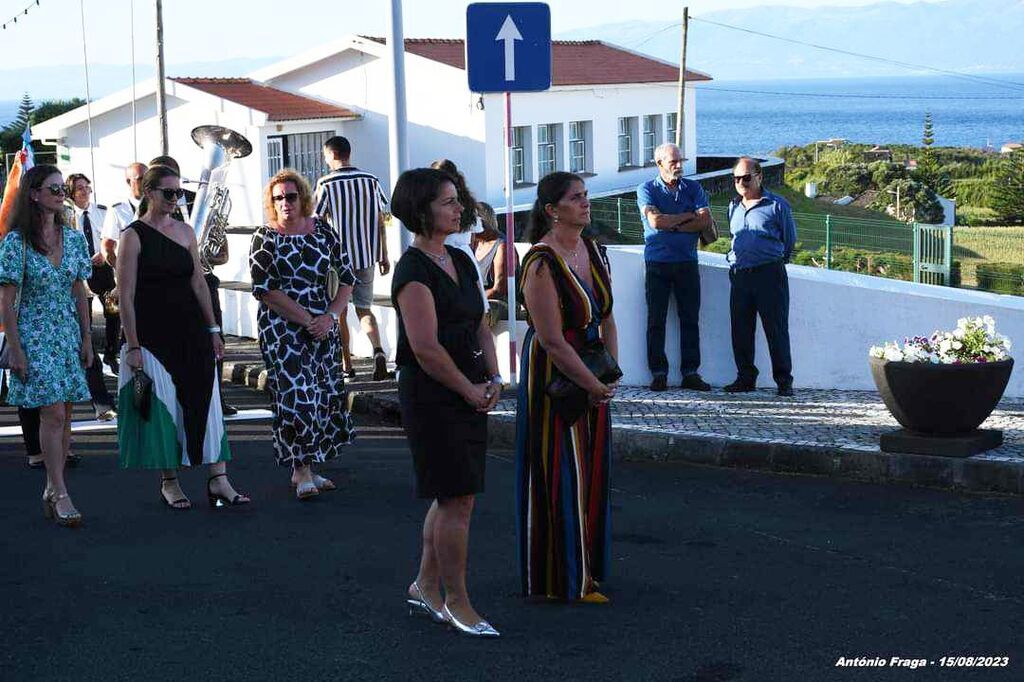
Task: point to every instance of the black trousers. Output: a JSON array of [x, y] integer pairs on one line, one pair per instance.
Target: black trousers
[[28, 417], [101, 282], [661, 281], [761, 291]]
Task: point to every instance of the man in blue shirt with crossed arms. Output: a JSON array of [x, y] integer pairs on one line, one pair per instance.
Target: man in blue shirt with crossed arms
[[763, 237], [674, 212]]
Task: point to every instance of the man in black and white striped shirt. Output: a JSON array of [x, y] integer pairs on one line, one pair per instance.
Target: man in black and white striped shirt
[[352, 201]]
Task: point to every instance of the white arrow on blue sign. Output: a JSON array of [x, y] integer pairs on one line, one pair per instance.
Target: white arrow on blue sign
[[508, 46]]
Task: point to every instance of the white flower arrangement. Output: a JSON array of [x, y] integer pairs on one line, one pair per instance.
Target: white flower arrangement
[[974, 340]]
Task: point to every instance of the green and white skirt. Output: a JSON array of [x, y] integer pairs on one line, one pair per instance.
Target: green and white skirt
[[183, 428]]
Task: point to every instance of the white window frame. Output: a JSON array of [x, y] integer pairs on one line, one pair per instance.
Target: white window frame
[[627, 142], [521, 153], [651, 135], [579, 147], [547, 148], [671, 123]]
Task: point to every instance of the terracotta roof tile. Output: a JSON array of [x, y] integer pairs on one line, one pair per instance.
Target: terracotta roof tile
[[278, 105], [574, 62]]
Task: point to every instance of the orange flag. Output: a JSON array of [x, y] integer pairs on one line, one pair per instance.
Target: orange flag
[[11, 191]]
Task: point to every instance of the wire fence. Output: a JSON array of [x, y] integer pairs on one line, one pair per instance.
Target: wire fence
[[990, 259]]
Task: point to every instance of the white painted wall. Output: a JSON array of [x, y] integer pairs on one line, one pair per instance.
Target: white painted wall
[[835, 317], [603, 105]]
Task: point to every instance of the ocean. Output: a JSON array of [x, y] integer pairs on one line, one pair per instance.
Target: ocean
[[738, 116]]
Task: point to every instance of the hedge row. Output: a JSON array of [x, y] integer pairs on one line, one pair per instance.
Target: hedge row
[[1001, 278]]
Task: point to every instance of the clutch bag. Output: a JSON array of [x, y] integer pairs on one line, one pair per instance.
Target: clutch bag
[[142, 393], [570, 400]]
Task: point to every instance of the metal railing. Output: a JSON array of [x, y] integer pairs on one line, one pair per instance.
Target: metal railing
[[931, 254]]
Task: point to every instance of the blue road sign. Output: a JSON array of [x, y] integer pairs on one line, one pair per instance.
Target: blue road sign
[[508, 46]]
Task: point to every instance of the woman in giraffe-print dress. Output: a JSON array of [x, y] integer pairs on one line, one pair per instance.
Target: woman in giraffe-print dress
[[290, 260]]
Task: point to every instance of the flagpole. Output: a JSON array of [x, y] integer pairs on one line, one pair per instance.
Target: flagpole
[[135, 133], [88, 96]]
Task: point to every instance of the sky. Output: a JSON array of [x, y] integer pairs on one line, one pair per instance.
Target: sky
[[208, 30]]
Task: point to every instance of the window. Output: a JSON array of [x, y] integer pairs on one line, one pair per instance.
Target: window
[[521, 164], [547, 149], [670, 127], [579, 147], [627, 142], [275, 155], [652, 139]]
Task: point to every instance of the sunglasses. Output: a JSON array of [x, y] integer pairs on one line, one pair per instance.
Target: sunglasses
[[57, 190], [289, 197], [172, 194], [742, 178]]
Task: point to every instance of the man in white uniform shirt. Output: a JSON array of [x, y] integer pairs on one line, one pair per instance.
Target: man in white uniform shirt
[[87, 217], [123, 213]]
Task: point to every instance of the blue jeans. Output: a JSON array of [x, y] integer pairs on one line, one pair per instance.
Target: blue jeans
[[662, 280], [761, 291]]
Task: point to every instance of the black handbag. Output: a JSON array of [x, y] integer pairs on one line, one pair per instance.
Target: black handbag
[[571, 401], [142, 393]]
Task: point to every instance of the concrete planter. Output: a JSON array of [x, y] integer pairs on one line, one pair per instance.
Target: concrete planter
[[941, 406]]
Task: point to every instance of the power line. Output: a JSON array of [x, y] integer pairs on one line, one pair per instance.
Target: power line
[[981, 79], [849, 95]]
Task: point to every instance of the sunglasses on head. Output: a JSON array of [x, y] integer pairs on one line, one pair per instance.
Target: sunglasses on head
[[57, 190], [742, 178], [172, 194], [290, 197]]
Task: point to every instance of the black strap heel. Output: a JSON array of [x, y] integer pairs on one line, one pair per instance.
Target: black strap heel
[[218, 500], [176, 504]]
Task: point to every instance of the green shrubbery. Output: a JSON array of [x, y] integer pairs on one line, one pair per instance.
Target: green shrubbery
[[846, 178], [917, 201], [1002, 278]]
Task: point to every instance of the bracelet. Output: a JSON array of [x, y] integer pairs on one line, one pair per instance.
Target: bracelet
[[214, 329], [496, 379], [131, 348]]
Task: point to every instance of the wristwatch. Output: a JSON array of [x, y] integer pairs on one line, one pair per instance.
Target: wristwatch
[[334, 316]]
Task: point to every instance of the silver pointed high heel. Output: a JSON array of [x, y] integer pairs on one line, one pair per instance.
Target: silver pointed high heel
[[419, 604], [481, 629]]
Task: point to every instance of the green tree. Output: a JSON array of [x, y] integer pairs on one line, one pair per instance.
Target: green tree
[[10, 135], [1008, 190], [928, 139]]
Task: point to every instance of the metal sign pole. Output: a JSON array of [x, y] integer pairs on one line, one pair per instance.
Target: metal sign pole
[[510, 243]]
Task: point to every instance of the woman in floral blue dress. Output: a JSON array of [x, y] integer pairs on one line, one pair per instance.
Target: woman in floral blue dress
[[48, 330]]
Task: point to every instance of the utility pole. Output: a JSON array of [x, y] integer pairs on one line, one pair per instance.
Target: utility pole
[[398, 149], [681, 113], [161, 96]]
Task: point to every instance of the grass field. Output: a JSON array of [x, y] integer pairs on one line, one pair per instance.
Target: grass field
[[849, 229]]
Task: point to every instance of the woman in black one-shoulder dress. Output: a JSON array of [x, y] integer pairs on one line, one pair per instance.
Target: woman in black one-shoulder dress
[[171, 334]]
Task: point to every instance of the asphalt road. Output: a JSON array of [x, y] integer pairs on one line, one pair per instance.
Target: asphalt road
[[718, 575]]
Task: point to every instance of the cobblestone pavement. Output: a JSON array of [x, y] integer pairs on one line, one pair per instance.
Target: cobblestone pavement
[[848, 420]]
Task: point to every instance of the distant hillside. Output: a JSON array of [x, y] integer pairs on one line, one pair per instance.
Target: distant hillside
[[978, 36]]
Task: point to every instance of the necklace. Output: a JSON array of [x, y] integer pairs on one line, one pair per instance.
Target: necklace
[[569, 256], [440, 260]]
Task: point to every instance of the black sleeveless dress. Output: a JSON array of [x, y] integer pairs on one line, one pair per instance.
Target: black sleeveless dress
[[185, 425], [447, 437]]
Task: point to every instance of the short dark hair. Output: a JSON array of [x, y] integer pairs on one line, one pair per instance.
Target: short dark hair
[[166, 161], [414, 192], [466, 198], [339, 146]]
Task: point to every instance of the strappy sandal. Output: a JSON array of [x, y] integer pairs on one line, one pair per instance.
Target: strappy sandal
[[322, 484], [181, 504], [218, 500]]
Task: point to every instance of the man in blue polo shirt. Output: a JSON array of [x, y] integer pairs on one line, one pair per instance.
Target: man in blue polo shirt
[[674, 212], [763, 237]]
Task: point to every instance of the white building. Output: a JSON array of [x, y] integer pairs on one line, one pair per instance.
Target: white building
[[607, 109]]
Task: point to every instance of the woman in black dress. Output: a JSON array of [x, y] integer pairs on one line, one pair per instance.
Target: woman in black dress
[[290, 261], [170, 334], [447, 383]]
